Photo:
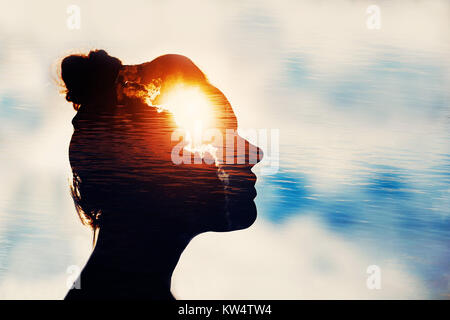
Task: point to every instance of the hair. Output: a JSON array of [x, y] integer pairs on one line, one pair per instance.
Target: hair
[[88, 76]]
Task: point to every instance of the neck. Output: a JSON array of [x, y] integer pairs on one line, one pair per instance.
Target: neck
[[134, 262]]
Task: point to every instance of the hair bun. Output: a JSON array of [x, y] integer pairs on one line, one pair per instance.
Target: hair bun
[[86, 76]]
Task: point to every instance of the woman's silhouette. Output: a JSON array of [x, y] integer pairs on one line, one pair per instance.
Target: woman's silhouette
[[144, 206]]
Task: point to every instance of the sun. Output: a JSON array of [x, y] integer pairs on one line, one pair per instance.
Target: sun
[[192, 111], [190, 107]]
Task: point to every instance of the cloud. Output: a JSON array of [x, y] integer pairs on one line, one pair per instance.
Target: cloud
[[298, 260], [48, 288]]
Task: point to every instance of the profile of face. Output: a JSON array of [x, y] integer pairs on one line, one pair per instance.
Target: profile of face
[[154, 144]]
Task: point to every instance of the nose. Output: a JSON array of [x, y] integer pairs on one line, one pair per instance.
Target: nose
[[249, 155]]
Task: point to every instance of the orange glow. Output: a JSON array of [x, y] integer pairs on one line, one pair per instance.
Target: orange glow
[[190, 106], [193, 112]]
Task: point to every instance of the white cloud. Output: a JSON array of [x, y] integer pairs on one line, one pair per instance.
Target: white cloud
[[299, 260]]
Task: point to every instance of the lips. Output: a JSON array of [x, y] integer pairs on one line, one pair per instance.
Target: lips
[[239, 187]]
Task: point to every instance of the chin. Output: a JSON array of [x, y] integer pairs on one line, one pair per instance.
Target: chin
[[241, 215]]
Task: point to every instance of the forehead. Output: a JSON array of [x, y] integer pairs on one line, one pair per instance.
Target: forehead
[[192, 103], [176, 80]]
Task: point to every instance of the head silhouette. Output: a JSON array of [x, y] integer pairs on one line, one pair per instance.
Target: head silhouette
[[134, 161]]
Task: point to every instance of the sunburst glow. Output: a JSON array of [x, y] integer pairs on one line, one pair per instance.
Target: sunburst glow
[[190, 107], [192, 112]]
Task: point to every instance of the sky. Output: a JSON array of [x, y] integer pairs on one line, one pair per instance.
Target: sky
[[363, 121]]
